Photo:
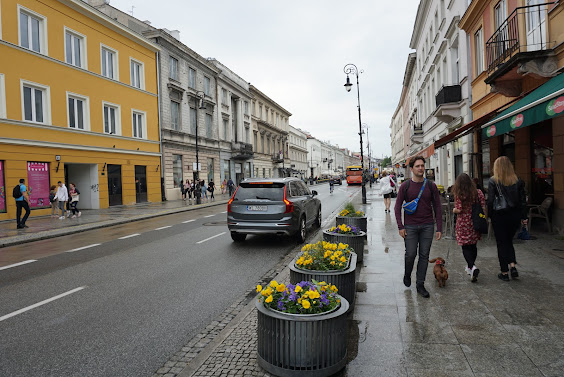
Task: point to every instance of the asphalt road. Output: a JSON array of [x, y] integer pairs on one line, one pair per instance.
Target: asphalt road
[[120, 301]]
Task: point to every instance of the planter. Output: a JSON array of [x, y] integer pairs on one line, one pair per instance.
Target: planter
[[359, 222], [344, 280], [312, 345], [356, 242]]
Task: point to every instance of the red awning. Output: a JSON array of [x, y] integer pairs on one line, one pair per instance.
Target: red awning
[[426, 153]]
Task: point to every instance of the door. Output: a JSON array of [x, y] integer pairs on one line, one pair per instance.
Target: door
[[536, 26], [140, 184], [114, 185]]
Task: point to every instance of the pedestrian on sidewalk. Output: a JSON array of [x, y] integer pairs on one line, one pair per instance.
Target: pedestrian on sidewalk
[[211, 189], [223, 186], [74, 195], [465, 195], [507, 188], [53, 201], [204, 189], [386, 188], [230, 186], [22, 201], [62, 196], [420, 224]]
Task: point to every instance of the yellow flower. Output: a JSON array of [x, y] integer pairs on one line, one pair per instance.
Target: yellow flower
[[268, 291], [305, 295], [332, 257], [343, 259], [281, 288], [298, 289], [332, 263], [259, 288], [313, 294], [269, 299], [273, 284], [306, 304]]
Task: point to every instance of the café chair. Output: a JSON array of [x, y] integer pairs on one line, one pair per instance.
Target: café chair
[[541, 211]]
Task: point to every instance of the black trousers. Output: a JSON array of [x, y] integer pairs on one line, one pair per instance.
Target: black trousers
[[19, 205], [505, 225], [470, 253]]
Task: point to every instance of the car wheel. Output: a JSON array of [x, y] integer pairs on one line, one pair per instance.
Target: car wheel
[[238, 237], [301, 234], [318, 218]]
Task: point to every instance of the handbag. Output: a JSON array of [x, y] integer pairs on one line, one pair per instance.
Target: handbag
[[524, 233], [500, 203], [74, 198], [479, 220], [410, 207]]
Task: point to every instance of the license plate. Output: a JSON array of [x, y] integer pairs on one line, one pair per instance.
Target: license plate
[[256, 208]]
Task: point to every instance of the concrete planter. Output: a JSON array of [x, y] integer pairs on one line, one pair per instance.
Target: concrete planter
[[297, 345], [356, 242], [344, 280], [358, 222]]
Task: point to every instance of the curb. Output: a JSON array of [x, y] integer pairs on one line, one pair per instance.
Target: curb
[[18, 240]]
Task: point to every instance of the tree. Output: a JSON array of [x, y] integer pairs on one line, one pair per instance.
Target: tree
[[386, 161]]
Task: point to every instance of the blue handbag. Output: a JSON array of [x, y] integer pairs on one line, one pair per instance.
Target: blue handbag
[[410, 207]]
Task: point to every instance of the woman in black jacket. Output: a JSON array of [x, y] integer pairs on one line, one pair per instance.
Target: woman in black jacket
[[506, 221]]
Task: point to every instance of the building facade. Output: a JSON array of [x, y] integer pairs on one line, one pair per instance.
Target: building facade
[[298, 154], [314, 159], [78, 103]]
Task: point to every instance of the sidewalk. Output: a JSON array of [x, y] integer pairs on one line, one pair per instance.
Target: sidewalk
[[488, 328], [46, 227]]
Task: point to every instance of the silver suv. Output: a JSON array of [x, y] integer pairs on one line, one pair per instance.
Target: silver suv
[[278, 205]]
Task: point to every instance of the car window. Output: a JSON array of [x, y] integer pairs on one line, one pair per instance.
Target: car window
[[296, 189], [305, 189], [260, 191]]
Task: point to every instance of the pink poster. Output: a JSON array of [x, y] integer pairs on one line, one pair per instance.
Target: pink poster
[[2, 189], [38, 184]]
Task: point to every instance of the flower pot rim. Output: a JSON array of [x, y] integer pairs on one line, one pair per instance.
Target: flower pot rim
[[328, 272], [351, 217], [335, 312], [361, 234]]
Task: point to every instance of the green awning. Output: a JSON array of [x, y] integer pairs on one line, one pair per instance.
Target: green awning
[[545, 102]]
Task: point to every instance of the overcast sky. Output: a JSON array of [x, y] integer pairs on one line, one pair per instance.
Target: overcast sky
[[294, 52]]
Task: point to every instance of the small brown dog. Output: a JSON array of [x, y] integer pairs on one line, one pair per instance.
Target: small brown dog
[[440, 271]]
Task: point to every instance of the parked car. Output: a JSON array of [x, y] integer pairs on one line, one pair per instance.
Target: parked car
[[336, 180], [277, 206]]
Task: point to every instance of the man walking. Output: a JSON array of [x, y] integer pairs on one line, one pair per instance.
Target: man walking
[[230, 186], [420, 224], [22, 201], [62, 196]]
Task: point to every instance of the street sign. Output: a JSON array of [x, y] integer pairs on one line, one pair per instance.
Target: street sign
[[199, 166]]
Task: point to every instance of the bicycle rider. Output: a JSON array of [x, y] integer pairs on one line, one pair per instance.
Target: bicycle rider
[[331, 186]]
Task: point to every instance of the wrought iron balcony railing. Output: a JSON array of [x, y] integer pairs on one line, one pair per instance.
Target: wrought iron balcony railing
[[448, 94]]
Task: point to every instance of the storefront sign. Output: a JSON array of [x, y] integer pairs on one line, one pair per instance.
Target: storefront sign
[[38, 184], [2, 189], [517, 121], [556, 106]]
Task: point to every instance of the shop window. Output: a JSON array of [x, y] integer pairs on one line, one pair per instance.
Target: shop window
[[177, 178], [542, 171], [37, 184]]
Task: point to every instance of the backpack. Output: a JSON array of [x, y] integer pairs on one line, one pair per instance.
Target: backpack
[[17, 193]]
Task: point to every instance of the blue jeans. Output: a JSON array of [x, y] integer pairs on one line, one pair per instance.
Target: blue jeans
[[418, 237]]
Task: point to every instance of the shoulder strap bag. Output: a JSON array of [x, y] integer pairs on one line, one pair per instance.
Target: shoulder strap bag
[[410, 207], [479, 220], [500, 203]]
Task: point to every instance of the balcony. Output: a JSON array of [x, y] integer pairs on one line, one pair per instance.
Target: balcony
[[449, 103], [241, 151], [277, 158], [416, 136], [519, 47]]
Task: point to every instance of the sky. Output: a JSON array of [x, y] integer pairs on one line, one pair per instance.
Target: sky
[[295, 51]]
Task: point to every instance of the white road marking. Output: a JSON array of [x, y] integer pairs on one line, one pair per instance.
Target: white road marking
[[207, 239], [224, 212], [131, 235], [40, 303], [187, 221], [83, 247], [18, 264], [209, 215], [164, 227]]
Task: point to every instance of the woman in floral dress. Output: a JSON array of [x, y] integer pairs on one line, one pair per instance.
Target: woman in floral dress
[[465, 194]]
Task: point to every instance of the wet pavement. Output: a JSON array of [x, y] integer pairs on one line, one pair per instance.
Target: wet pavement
[[488, 328]]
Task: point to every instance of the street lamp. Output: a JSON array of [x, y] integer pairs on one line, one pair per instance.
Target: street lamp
[[366, 127], [199, 99], [352, 69]]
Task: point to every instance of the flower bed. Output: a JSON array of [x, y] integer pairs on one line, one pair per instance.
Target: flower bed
[[350, 235], [350, 216]]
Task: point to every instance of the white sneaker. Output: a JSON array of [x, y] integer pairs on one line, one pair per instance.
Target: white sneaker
[[79, 214], [468, 270], [73, 217], [62, 218], [474, 274]]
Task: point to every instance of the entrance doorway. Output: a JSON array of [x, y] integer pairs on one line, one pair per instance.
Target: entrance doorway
[[114, 185], [85, 177], [140, 184]]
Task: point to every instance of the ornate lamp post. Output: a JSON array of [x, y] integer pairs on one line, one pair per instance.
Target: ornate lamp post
[[352, 69], [202, 106], [371, 172]]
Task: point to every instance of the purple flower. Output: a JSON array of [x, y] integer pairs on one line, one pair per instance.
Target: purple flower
[[281, 305], [323, 299], [293, 297]]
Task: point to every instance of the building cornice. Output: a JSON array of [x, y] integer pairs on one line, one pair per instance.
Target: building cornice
[[472, 14], [254, 90], [420, 18]]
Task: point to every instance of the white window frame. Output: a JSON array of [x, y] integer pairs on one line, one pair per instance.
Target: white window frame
[[43, 45], [86, 110], [115, 62], [207, 86], [141, 73], [2, 96], [479, 51], [192, 84], [143, 115], [170, 59], [118, 118], [83, 49], [46, 100]]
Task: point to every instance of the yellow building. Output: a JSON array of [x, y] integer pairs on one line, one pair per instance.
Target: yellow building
[[78, 103]]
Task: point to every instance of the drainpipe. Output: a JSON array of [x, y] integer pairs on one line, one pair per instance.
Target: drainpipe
[[163, 197]]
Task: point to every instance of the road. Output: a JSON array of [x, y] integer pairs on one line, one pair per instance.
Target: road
[[120, 301]]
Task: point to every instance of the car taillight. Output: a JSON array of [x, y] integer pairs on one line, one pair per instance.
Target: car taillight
[[231, 200], [289, 204]]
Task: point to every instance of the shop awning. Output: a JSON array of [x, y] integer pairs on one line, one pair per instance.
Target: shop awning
[[426, 153], [464, 129], [545, 102]]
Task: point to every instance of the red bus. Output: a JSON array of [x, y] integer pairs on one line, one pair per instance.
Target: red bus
[[354, 175]]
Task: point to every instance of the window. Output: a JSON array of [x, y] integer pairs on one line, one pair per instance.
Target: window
[[191, 78], [207, 86], [246, 107], [455, 73], [138, 123], [174, 115], [75, 49], [225, 124], [78, 114], [247, 135], [32, 30], [193, 120], [256, 142], [111, 119], [262, 143], [109, 63], [209, 125], [268, 145], [173, 68], [253, 109], [260, 111], [500, 14], [177, 178], [479, 51], [137, 74], [224, 96], [2, 97], [36, 102]]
